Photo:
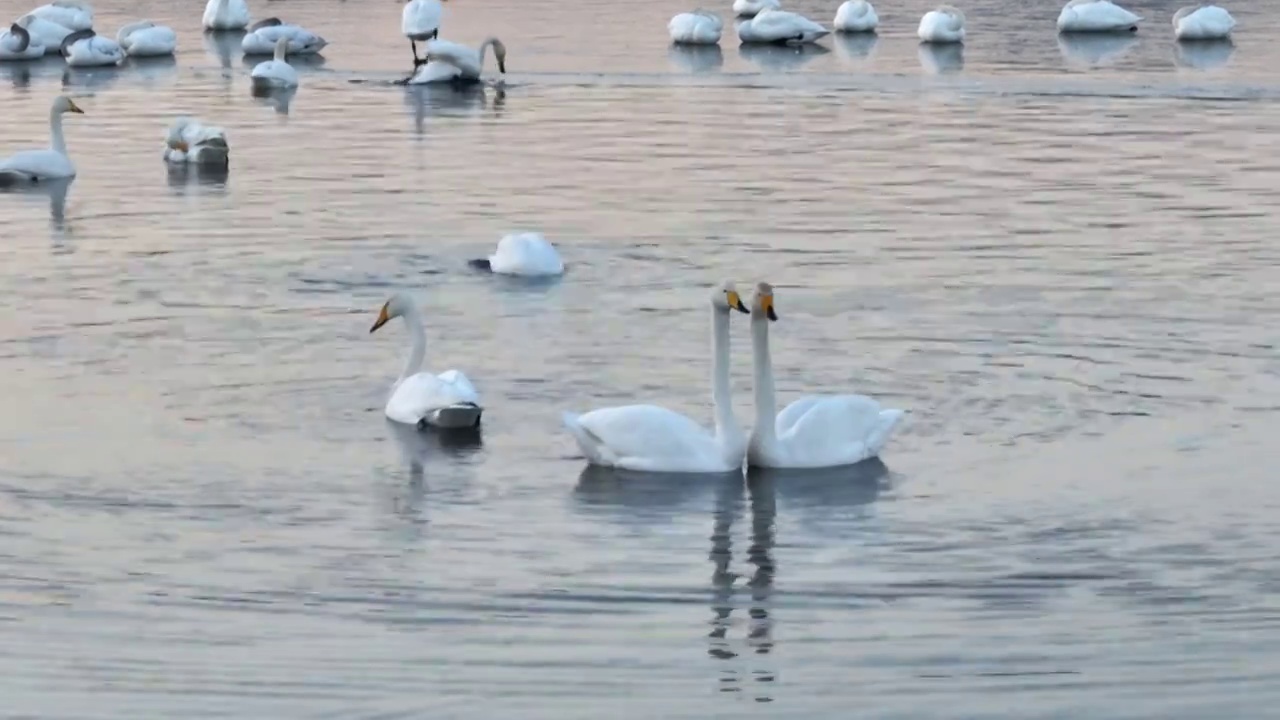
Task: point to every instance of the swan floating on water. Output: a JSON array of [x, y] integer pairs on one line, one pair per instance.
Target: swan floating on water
[[524, 254], [420, 21], [781, 27], [147, 39], [447, 400], [44, 32], [189, 141], [263, 35], [855, 16], [16, 43], [225, 15], [456, 63], [751, 8], [649, 438], [51, 163], [70, 14], [815, 430], [942, 25], [1096, 16], [1203, 22], [85, 48], [696, 28], [275, 73]]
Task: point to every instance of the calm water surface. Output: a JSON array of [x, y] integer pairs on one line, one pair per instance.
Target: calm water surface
[[1059, 256]]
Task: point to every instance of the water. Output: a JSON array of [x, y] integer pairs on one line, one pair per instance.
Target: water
[[1064, 272]]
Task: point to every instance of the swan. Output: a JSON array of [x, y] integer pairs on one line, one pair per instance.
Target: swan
[[70, 14], [649, 438], [147, 39], [782, 27], [225, 15], [751, 8], [855, 16], [695, 28], [189, 141], [263, 35], [85, 48], [816, 430], [943, 25], [1096, 16], [525, 254], [447, 400], [456, 63], [275, 73], [1203, 22], [16, 43], [49, 164], [420, 21], [44, 32]]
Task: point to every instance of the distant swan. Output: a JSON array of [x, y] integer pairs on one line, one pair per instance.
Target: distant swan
[[51, 163], [189, 141], [225, 15], [147, 39], [70, 14], [1204, 22], [782, 27], [456, 63], [16, 43], [943, 25], [525, 254], [262, 37], [275, 73], [85, 48], [751, 8], [420, 21], [854, 16], [696, 28], [1096, 16]]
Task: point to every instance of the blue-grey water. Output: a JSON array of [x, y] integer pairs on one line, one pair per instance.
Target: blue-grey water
[[1059, 255]]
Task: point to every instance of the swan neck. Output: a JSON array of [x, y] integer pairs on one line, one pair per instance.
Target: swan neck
[[282, 49], [725, 422], [418, 346], [55, 132], [762, 364], [484, 51]]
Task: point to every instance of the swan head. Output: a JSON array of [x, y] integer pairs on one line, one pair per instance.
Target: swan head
[[64, 104], [398, 305], [500, 54], [762, 302], [725, 297]]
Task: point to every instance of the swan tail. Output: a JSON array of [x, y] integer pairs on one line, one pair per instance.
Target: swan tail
[[592, 447], [881, 432], [481, 264], [462, 416]]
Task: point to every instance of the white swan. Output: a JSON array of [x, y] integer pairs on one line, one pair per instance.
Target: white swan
[[943, 25], [447, 400], [751, 8], [456, 63], [225, 15], [1203, 22], [782, 27], [696, 28], [816, 430], [70, 14], [525, 254], [44, 32], [48, 164], [649, 438], [189, 141], [855, 16], [16, 43], [275, 73], [85, 48], [147, 39], [420, 21], [1096, 16], [263, 35]]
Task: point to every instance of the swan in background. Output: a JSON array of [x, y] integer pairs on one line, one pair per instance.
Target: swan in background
[[70, 14], [943, 25], [456, 63], [420, 21], [1203, 22], [263, 35], [16, 43], [189, 141], [696, 28], [225, 15], [649, 438], [855, 16], [275, 73], [48, 164], [751, 8], [44, 32], [447, 400], [525, 254], [147, 39], [1096, 16], [816, 430], [782, 27], [85, 48]]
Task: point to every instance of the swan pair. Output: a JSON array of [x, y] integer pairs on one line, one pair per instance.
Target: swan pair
[[812, 432], [52, 163], [1197, 22]]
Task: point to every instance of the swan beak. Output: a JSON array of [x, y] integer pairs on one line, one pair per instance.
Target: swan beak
[[180, 146], [72, 107], [735, 302], [766, 304], [502, 66], [382, 319]]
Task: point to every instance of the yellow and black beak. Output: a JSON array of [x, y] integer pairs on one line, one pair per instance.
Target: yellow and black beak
[[735, 302], [382, 319], [766, 304]]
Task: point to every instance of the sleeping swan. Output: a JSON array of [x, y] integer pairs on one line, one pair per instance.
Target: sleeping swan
[[188, 141], [780, 27], [695, 28], [943, 25], [1096, 16], [524, 254], [147, 39], [1205, 22], [16, 43]]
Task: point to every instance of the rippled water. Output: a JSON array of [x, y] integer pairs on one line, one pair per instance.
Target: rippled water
[[1061, 258]]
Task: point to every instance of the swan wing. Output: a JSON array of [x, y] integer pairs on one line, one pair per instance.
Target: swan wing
[[68, 15], [48, 34], [526, 254], [301, 41], [780, 25], [37, 165], [465, 59], [840, 430], [434, 72], [460, 385], [646, 438], [1099, 16], [793, 412], [418, 395]]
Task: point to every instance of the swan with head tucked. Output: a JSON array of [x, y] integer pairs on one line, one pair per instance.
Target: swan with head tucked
[[51, 163], [816, 430], [524, 254], [275, 73], [263, 35], [1096, 16], [1202, 22], [696, 28], [649, 438], [855, 16], [942, 25], [85, 48], [225, 15], [16, 43], [751, 8], [447, 400], [420, 21], [147, 39], [456, 63], [70, 14], [780, 27], [189, 141], [45, 33]]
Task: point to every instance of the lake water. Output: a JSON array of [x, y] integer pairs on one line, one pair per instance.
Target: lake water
[[1061, 258]]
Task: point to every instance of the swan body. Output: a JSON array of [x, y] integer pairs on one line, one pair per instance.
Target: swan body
[[695, 28], [454, 62], [751, 8], [447, 400], [44, 32], [146, 39], [262, 37], [1096, 16], [524, 254], [815, 431], [85, 48], [855, 16], [70, 14], [16, 43], [780, 26], [649, 438], [1205, 22], [48, 164], [189, 141], [276, 72], [943, 25], [225, 15]]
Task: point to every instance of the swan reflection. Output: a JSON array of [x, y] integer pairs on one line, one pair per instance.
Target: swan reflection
[[446, 100], [696, 58], [637, 494], [941, 58], [418, 447], [185, 178], [90, 78], [780, 58], [225, 45], [21, 72], [277, 98], [55, 191], [153, 70], [856, 46], [1094, 49], [1203, 54]]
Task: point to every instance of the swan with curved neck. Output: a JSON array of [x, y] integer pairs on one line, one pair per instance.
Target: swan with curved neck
[[816, 430], [456, 63], [48, 164], [649, 438]]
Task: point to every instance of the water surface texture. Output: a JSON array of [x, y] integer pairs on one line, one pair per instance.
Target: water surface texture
[[1059, 255]]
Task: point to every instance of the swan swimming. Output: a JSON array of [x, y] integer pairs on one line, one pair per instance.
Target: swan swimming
[[52, 163], [942, 25], [275, 73], [262, 37], [1203, 22], [189, 141], [456, 63], [85, 48], [70, 14], [16, 43], [649, 438], [447, 400], [1096, 16], [695, 28], [781, 27], [44, 32], [225, 15], [420, 21], [814, 431], [147, 39], [524, 254], [855, 16], [751, 8]]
